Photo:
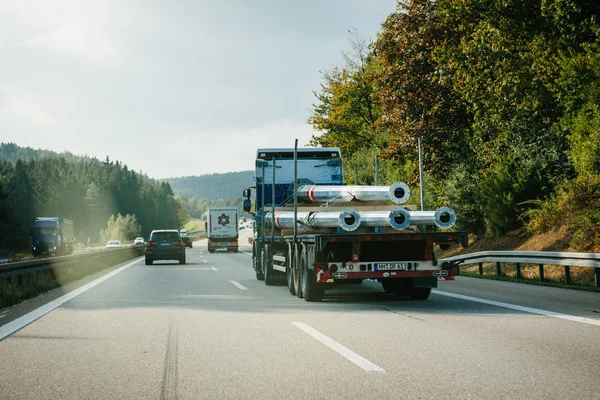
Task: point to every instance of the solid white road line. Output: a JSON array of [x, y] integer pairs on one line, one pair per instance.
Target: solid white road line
[[339, 348], [238, 285], [21, 322], [245, 252], [213, 268], [553, 314]]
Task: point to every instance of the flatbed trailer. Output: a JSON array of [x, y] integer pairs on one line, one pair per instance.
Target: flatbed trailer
[[404, 263]]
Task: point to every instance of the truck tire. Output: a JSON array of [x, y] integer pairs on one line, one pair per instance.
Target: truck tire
[[311, 290], [289, 273], [392, 287], [148, 261], [419, 293], [259, 274], [296, 275], [266, 267]]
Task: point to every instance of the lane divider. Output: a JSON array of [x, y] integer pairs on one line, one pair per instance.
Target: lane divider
[[21, 322], [339, 348], [238, 285], [213, 268], [530, 310]]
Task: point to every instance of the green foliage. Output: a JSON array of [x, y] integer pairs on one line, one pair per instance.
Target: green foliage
[[183, 215], [12, 234], [574, 207], [461, 190], [88, 192], [505, 95], [121, 228], [416, 91], [12, 153]]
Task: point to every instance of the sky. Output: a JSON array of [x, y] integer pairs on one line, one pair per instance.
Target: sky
[[171, 88]]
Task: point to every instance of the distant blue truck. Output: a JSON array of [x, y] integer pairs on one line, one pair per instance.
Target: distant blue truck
[[52, 236]]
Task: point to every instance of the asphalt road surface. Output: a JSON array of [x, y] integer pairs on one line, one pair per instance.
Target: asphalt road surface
[[210, 330]]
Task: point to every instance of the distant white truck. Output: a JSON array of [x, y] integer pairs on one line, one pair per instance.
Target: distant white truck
[[223, 229]]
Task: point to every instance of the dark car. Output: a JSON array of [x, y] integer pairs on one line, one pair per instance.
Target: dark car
[[187, 241], [165, 244]]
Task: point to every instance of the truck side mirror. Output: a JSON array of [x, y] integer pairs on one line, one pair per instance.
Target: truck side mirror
[[247, 205], [247, 193]]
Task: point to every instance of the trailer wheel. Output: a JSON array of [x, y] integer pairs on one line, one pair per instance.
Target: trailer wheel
[[296, 272], [259, 273], [266, 267], [392, 287], [311, 290], [289, 273], [419, 293]]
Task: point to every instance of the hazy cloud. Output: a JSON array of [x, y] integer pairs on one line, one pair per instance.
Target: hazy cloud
[[22, 104], [77, 39], [170, 88]]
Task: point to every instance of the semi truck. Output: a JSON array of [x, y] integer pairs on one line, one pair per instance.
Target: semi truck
[[313, 232], [52, 236], [222, 229]]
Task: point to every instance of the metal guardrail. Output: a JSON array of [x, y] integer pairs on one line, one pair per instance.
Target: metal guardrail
[[541, 258], [18, 269]]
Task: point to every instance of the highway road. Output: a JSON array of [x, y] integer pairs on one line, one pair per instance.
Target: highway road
[[210, 330]]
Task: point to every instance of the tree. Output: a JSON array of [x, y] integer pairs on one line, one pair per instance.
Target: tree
[[348, 111], [416, 92]]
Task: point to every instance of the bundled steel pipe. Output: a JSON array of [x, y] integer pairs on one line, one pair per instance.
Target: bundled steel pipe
[[443, 217], [348, 220], [397, 193], [398, 218]]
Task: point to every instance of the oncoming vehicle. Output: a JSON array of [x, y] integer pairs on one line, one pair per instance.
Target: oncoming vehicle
[[139, 241], [52, 235], [183, 232], [187, 241], [113, 244], [165, 244]]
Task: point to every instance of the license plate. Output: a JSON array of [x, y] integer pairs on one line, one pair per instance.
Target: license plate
[[165, 244], [390, 267]]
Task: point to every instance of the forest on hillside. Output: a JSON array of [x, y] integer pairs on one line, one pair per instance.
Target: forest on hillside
[[97, 196], [11, 152], [227, 185], [505, 96]]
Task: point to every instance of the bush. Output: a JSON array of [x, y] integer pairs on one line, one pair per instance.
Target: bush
[[121, 228], [575, 207]]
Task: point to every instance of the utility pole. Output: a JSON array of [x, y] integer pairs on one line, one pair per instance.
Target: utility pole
[[421, 188]]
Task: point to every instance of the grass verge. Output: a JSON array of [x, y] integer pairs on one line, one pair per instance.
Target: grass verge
[[582, 278]]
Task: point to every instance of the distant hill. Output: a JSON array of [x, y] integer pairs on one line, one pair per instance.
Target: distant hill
[[11, 152], [214, 186]]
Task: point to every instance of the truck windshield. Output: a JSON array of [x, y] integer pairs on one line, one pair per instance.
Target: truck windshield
[[42, 232]]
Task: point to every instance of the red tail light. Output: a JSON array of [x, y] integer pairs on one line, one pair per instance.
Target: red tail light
[[152, 244], [178, 244]]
